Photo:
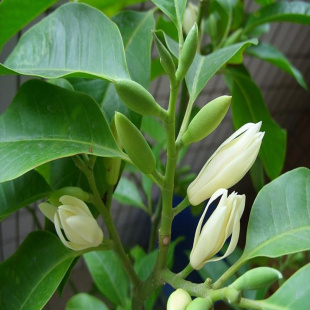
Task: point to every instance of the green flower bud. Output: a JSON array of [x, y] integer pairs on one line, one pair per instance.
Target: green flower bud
[[213, 28], [188, 53], [200, 304], [206, 120], [257, 278], [165, 57], [179, 300], [137, 98], [134, 144]]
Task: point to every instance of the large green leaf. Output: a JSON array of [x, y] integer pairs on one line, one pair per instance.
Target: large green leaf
[[292, 295], [109, 275], [174, 9], [248, 106], [21, 192], [294, 11], [269, 53], [31, 275], [46, 122], [204, 67], [135, 28], [84, 301], [75, 40], [280, 218], [15, 14], [110, 7]]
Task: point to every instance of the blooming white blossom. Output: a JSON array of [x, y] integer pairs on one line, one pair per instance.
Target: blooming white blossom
[[190, 17], [227, 166], [73, 217], [224, 221]]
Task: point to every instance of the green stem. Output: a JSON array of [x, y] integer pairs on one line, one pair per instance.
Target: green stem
[[250, 304], [182, 105], [155, 219], [186, 271], [228, 273], [181, 206], [185, 120], [203, 4], [106, 215]]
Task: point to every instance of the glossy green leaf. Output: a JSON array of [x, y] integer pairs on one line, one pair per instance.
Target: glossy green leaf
[[45, 122], [204, 67], [269, 53], [110, 7], [280, 218], [135, 28], [167, 26], [15, 195], [292, 295], [75, 40], [15, 14], [127, 193], [31, 275], [152, 128], [257, 175], [83, 301], [264, 2], [174, 9], [108, 275], [248, 106], [282, 11]]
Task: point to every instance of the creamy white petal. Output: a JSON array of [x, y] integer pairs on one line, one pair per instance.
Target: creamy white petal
[[73, 201], [48, 210]]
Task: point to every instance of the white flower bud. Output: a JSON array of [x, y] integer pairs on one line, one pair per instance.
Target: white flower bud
[[190, 17], [74, 223], [178, 300], [227, 166], [224, 221]]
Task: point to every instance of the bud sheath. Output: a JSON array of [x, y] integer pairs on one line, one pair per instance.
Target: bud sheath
[[206, 120], [137, 98], [135, 144]]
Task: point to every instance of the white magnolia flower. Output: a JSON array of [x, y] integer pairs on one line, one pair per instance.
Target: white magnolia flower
[[81, 230], [178, 300], [224, 221], [227, 166]]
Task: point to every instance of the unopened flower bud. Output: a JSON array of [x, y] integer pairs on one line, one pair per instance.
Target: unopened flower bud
[[190, 17], [178, 300], [74, 223], [224, 222], [137, 98], [188, 53], [200, 304], [135, 144], [227, 166], [257, 278], [165, 57], [206, 120]]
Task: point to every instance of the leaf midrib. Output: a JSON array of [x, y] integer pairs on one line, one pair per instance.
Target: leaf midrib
[[247, 256]]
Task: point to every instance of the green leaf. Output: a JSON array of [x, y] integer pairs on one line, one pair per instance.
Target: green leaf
[[269, 53], [45, 122], [15, 195], [282, 11], [248, 106], [280, 218], [152, 128], [108, 275], [257, 175], [31, 275], [292, 295], [167, 27], [15, 14], [135, 28], [127, 193], [84, 301], [110, 7], [75, 40], [264, 2], [204, 67], [174, 9]]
